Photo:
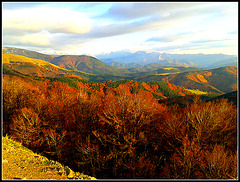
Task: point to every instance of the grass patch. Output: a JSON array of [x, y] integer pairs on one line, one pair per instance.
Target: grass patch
[[197, 92]]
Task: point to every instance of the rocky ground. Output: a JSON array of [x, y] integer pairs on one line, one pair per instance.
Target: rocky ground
[[18, 162]]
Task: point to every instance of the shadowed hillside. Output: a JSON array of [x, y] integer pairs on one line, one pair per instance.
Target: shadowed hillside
[[219, 80], [84, 63]]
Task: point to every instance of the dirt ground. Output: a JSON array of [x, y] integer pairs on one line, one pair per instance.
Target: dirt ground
[[18, 162]]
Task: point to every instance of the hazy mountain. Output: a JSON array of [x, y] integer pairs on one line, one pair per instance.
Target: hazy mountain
[[112, 62], [144, 58], [203, 60], [226, 62]]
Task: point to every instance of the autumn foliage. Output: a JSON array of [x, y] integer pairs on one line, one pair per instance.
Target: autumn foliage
[[121, 132]]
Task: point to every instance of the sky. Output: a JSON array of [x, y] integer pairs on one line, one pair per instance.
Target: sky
[[94, 28]]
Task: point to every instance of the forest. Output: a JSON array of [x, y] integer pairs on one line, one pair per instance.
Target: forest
[[120, 91], [120, 130]]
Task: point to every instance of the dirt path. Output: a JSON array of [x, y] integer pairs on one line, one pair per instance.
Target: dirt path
[[18, 162]]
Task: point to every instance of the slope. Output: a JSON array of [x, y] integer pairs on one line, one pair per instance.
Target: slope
[[33, 67], [86, 64], [82, 63], [217, 80], [231, 96], [27, 53], [21, 163]]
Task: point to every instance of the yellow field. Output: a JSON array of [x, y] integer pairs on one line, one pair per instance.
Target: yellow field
[[167, 73], [198, 92], [10, 58], [170, 68]]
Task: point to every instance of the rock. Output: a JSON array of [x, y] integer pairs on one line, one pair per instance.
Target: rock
[[69, 172]]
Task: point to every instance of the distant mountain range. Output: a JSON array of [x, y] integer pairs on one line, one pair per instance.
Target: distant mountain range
[[140, 58], [217, 80]]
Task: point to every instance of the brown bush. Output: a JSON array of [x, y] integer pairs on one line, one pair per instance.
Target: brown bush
[[204, 124], [122, 134]]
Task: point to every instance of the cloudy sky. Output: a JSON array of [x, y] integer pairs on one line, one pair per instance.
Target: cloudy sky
[[95, 28]]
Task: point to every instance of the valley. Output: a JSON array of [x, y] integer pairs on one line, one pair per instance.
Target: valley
[[217, 80]]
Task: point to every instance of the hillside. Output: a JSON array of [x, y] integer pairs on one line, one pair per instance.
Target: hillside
[[231, 96], [21, 163], [27, 53], [84, 63], [158, 69], [116, 130], [33, 67], [224, 78], [217, 80]]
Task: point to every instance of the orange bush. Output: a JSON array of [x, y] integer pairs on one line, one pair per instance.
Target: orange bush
[[124, 133]]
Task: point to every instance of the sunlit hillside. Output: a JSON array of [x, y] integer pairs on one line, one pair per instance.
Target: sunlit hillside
[[34, 67]]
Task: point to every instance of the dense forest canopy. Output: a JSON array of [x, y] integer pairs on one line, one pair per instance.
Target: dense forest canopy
[[120, 130]]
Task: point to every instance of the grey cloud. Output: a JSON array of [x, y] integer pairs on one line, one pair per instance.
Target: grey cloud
[[86, 5], [203, 41], [142, 16], [116, 29], [170, 37], [123, 11], [194, 45], [11, 31], [161, 39], [20, 5], [183, 47], [147, 23]]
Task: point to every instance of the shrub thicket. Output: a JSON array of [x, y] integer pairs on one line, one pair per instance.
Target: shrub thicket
[[122, 134]]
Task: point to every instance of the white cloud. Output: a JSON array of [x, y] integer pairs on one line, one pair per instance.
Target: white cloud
[[63, 27], [54, 20], [36, 39], [42, 26], [41, 39]]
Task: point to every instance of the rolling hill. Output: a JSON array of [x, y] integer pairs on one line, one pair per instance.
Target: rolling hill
[[85, 63], [231, 96], [33, 67], [82, 63], [219, 80], [27, 53]]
